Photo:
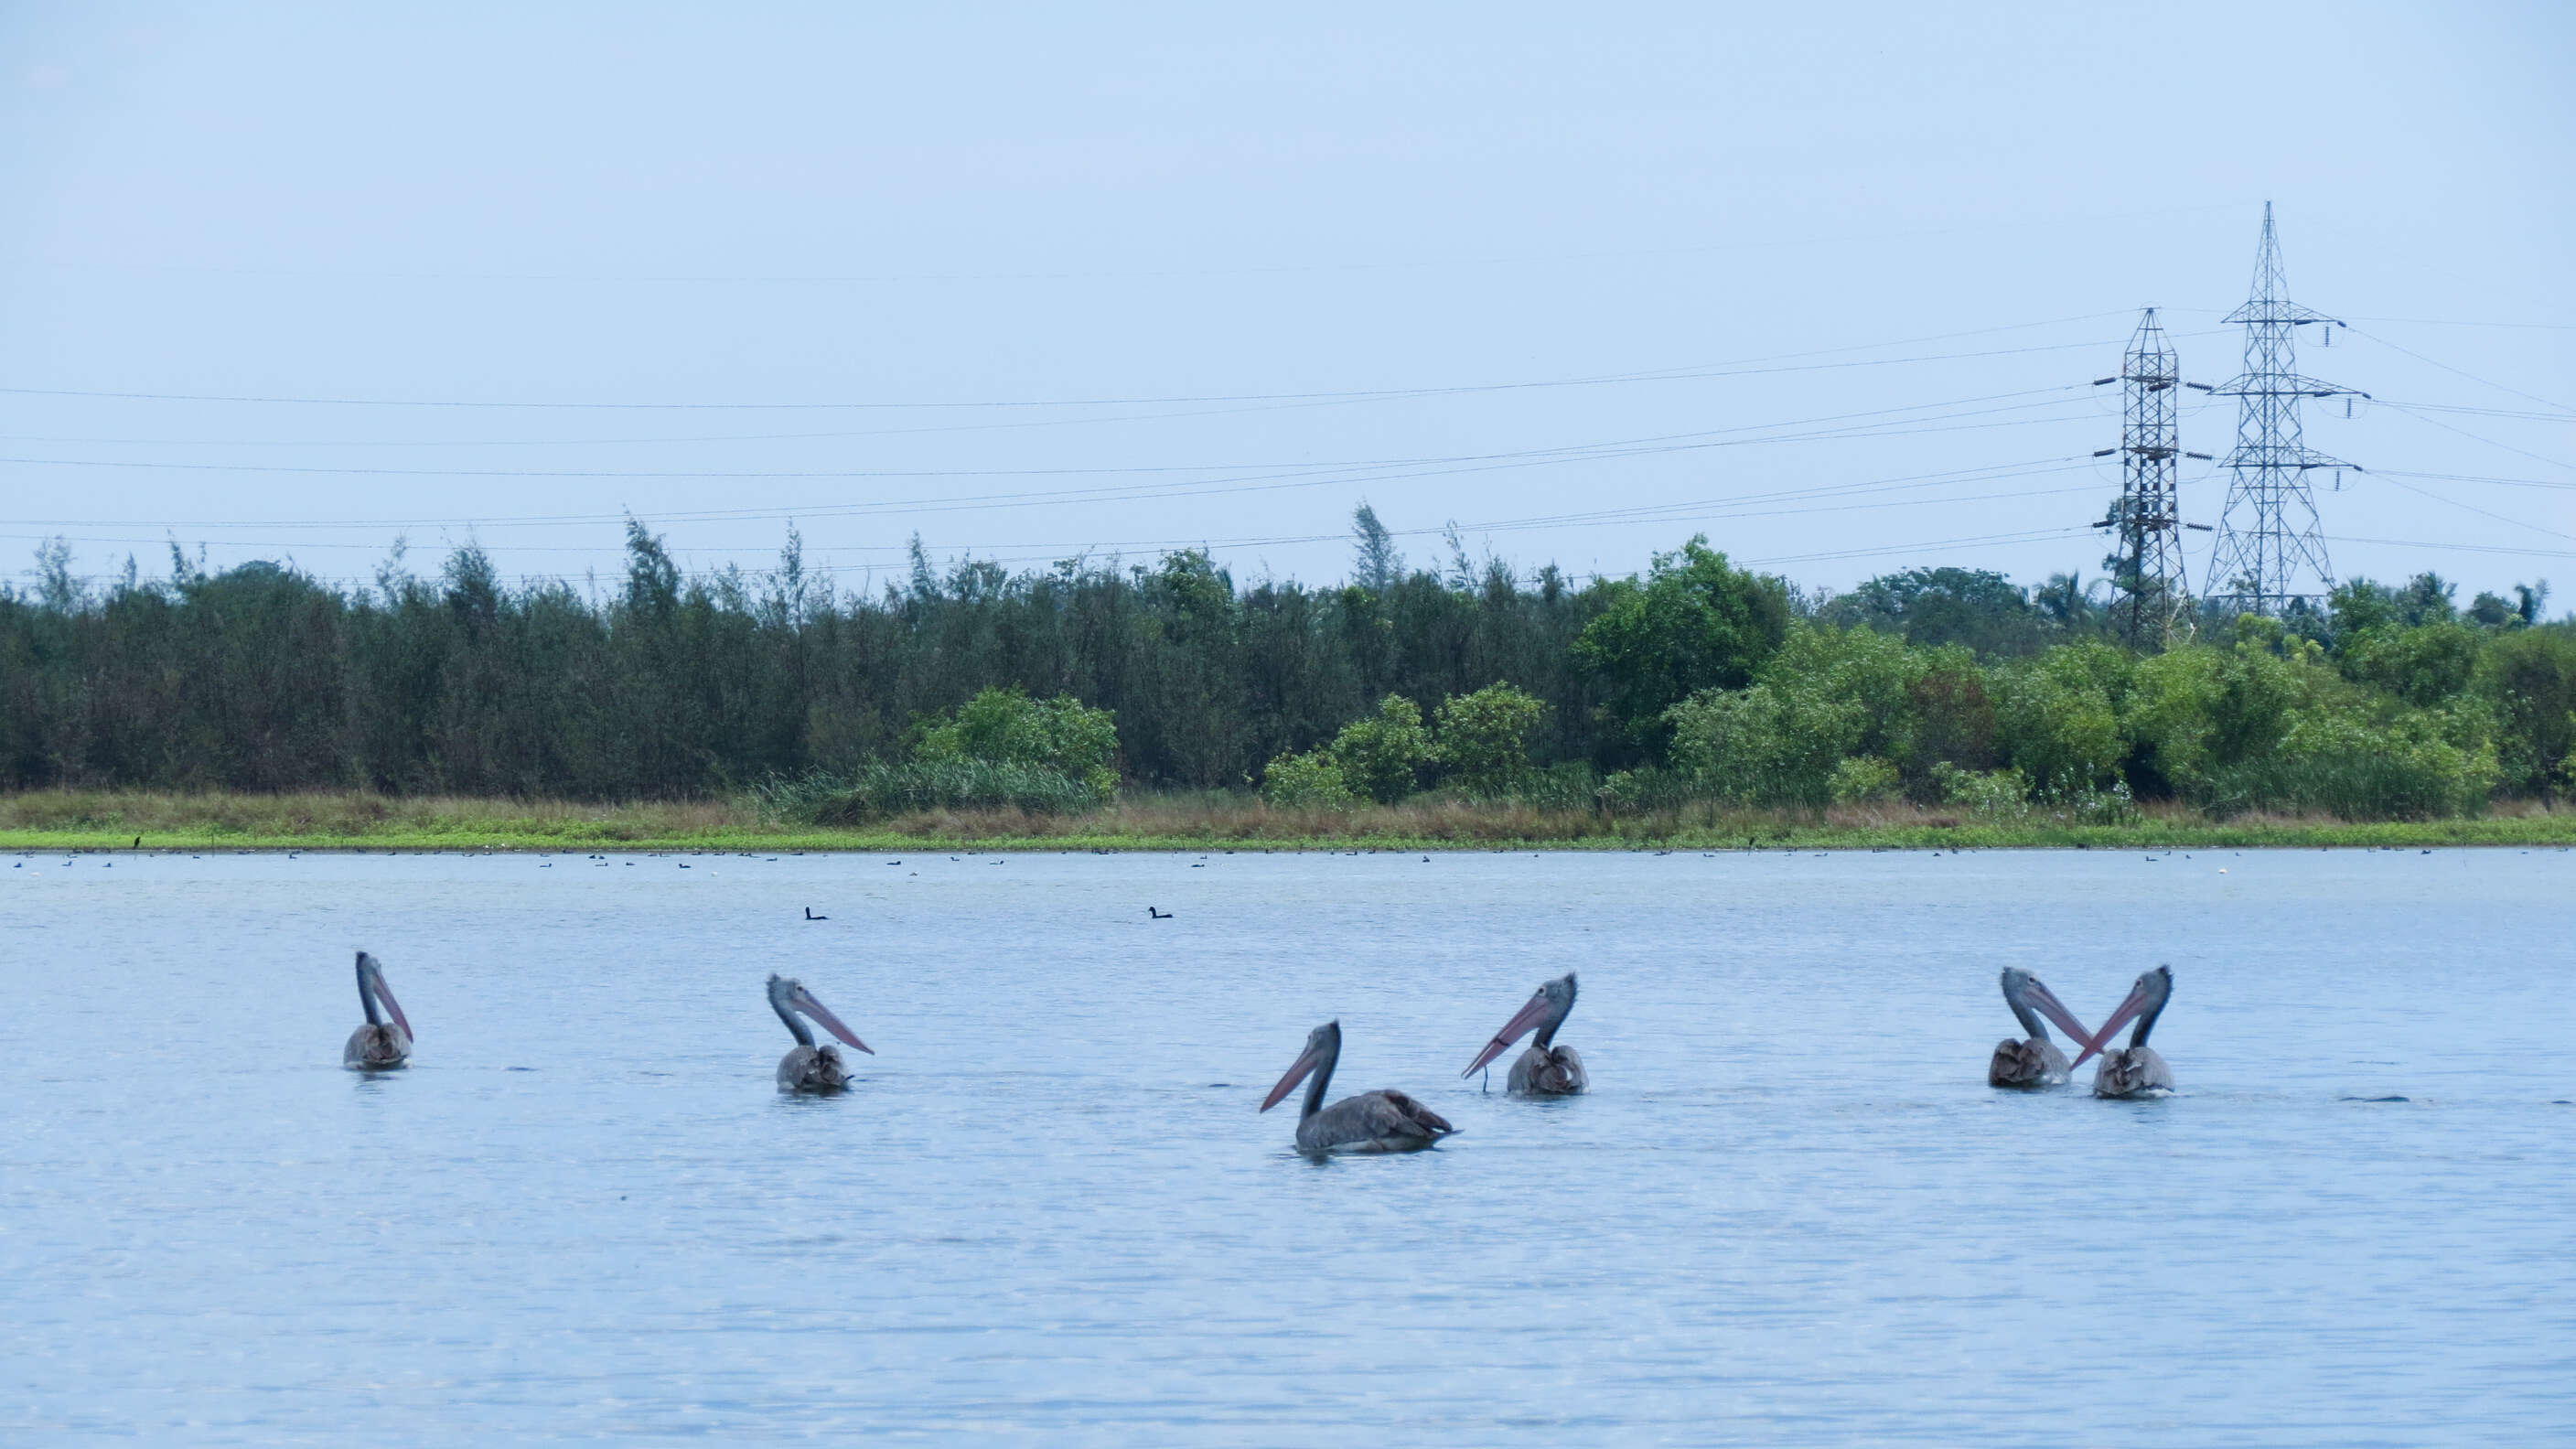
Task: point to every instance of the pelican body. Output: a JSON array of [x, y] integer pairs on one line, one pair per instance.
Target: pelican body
[[382, 1044], [2031, 1064], [807, 1067], [1546, 1069], [2134, 1070], [1369, 1122]]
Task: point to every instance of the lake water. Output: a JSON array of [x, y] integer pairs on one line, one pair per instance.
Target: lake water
[[1790, 1212]]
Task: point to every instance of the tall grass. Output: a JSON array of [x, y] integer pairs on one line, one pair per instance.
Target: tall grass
[[883, 790], [1180, 818]]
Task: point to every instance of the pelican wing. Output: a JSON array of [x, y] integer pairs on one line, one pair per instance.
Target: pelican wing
[[1373, 1122], [1548, 1072], [2132, 1072]]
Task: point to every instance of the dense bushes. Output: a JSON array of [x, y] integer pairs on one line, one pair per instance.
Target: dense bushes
[[1043, 691]]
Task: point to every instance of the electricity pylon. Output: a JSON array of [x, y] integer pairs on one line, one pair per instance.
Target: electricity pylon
[[2146, 519], [2269, 540]]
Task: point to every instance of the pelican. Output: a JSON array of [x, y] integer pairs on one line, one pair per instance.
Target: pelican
[[380, 1045], [2133, 1070], [1545, 1070], [2036, 1062], [806, 1067], [1369, 1122]]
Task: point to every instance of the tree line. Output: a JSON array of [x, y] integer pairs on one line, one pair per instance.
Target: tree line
[[1693, 678]]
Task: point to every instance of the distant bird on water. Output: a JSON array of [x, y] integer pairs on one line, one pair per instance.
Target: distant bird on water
[[806, 1067], [2036, 1062], [809, 915], [380, 1045], [2134, 1070], [1158, 913], [1370, 1122], [1545, 1070]]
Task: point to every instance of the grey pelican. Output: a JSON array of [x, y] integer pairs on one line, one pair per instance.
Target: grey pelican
[[2133, 1070], [1545, 1070], [2036, 1062], [1369, 1122], [807, 1067], [380, 1045]]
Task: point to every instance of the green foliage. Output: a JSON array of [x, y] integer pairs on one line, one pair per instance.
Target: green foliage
[[1006, 727], [1382, 755], [2057, 719], [1485, 736], [1696, 622], [1308, 781], [2528, 678], [1827, 694], [1988, 794], [2424, 665], [1764, 745], [1862, 780], [671, 687], [1974, 608]]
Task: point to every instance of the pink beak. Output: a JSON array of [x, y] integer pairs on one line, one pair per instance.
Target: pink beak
[[806, 1003], [384, 993], [1513, 1030], [2128, 1012], [1297, 1071], [2055, 1010]]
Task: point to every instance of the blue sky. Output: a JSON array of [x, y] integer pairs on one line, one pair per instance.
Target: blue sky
[[1827, 283]]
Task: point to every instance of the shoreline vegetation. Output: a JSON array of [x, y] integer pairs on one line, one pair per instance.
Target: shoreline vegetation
[[1105, 705], [103, 820]]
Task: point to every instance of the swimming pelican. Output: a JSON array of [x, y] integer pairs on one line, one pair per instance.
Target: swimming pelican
[[2036, 1062], [2134, 1070], [1545, 1070], [380, 1045], [806, 1067], [1369, 1122]]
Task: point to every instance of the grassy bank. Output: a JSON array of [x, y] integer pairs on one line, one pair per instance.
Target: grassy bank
[[104, 820]]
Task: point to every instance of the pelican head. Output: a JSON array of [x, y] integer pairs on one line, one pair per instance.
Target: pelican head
[[1546, 1010], [2024, 992], [2146, 1002], [372, 989], [789, 998], [1323, 1045]]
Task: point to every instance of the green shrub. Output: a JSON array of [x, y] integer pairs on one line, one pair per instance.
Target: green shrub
[[1484, 737], [2403, 765], [1381, 755], [1766, 745], [1863, 779], [1990, 794], [1643, 790], [1308, 781], [1006, 727], [883, 789]]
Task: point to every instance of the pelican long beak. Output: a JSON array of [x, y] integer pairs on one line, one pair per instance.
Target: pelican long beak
[[393, 1008], [1513, 1030], [2055, 1010], [806, 1003], [1297, 1071], [2127, 1013]]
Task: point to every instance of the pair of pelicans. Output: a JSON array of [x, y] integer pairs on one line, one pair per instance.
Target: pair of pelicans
[[2131, 1071]]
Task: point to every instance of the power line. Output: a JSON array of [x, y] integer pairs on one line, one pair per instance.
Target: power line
[[1777, 363]]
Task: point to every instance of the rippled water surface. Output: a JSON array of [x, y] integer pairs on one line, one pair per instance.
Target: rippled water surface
[[1790, 1212]]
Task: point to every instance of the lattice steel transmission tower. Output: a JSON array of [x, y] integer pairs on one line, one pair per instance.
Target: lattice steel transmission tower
[[2269, 541], [2146, 519]]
